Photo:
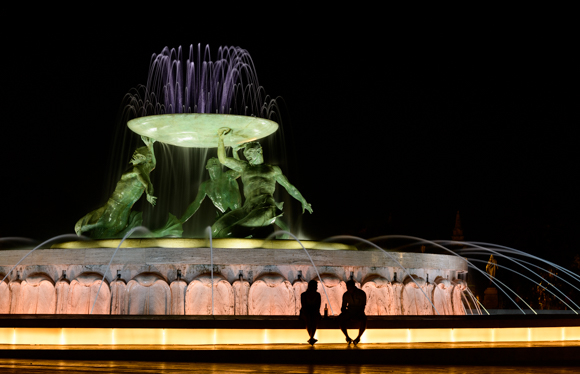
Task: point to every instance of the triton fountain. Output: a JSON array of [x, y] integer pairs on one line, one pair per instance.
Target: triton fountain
[[195, 107], [237, 282]]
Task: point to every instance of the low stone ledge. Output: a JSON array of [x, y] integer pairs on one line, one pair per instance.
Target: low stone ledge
[[280, 322]]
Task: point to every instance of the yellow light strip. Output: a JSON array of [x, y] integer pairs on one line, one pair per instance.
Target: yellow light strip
[[141, 336], [204, 243]]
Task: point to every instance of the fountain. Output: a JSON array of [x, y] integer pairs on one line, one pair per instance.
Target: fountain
[[250, 276], [239, 269]]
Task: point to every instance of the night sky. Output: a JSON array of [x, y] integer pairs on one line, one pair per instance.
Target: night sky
[[388, 130]]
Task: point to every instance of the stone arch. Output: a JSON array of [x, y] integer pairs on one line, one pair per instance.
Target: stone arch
[[198, 299], [148, 294], [457, 296], [442, 296], [271, 294], [83, 292], [4, 295], [34, 295], [413, 298], [379, 295]]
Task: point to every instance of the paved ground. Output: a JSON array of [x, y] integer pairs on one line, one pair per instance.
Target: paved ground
[[73, 367]]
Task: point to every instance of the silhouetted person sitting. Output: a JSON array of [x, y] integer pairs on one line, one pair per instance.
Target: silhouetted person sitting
[[353, 309], [310, 311]]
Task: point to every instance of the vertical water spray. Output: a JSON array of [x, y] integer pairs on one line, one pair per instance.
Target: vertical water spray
[[392, 258], [64, 236], [111, 261], [208, 230]]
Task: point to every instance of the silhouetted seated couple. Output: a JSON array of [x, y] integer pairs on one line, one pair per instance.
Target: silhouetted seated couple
[[353, 309]]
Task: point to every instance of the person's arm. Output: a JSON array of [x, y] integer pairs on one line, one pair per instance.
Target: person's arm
[[344, 303], [194, 206], [293, 191], [230, 162]]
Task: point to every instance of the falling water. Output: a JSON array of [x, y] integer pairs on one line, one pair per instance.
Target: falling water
[[181, 82], [59, 237], [391, 257], [208, 231], [478, 247]]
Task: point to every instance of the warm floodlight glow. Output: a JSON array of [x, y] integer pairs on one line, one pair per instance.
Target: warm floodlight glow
[[104, 336], [199, 130]]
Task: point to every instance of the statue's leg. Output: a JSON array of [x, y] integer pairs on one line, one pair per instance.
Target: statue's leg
[[135, 220], [223, 227], [89, 221], [259, 217], [173, 227]]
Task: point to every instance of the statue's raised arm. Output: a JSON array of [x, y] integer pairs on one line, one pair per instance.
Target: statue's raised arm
[[232, 163]]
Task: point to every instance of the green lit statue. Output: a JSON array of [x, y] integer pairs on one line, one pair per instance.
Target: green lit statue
[[259, 180], [115, 218], [222, 188]]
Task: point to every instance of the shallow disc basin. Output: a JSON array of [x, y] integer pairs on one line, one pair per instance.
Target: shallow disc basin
[[200, 130]]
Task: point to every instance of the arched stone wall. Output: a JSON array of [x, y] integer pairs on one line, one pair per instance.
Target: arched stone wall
[[457, 296], [35, 295], [379, 296], [413, 299], [442, 296], [271, 294], [148, 294], [88, 294], [4, 295], [198, 299]]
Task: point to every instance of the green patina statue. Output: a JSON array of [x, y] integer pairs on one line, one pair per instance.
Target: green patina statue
[[259, 180], [222, 188], [115, 218]]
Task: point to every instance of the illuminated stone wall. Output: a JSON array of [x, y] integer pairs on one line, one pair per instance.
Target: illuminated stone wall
[[165, 281]]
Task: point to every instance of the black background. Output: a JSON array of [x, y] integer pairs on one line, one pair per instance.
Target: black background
[[393, 125]]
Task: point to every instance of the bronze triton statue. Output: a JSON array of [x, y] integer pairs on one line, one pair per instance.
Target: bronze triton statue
[[115, 218], [259, 181], [222, 189]]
